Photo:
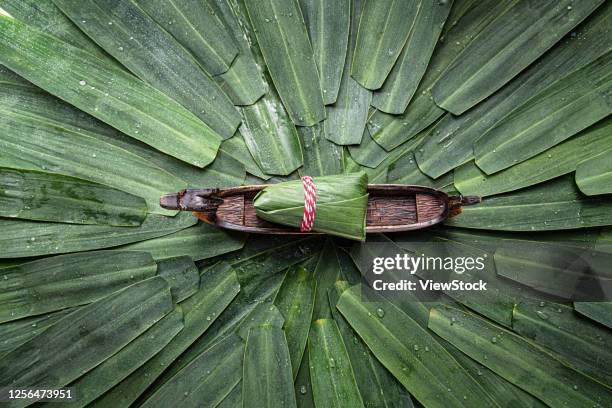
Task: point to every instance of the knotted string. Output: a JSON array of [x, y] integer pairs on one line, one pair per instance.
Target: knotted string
[[310, 203]]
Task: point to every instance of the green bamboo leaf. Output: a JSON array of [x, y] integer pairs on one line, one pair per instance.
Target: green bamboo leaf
[[34, 195], [190, 347], [131, 106], [368, 153], [442, 148], [496, 302], [563, 269], [233, 399], [238, 150], [265, 313], [8, 77], [48, 17], [346, 119], [64, 281], [328, 25], [267, 379], [503, 392], [502, 50], [584, 345], [564, 109], [236, 318], [333, 382], [243, 82], [33, 102], [218, 286], [597, 311], [198, 242], [491, 240], [40, 132], [380, 173], [594, 175], [153, 55], [206, 381], [403, 80], [274, 179], [182, 275], [262, 258], [321, 157], [226, 170], [410, 353], [270, 136], [17, 332], [517, 360], [605, 236], [303, 385], [53, 359], [377, 387], [198, 28], [384, 28], [283, 40], [380, 245], [406, 171], [556, 205], [467, 18], [374, 175], [295, 300], [108, 374], [327, 272], [554, 162], [348, 269], [33, 238], [450, 142]]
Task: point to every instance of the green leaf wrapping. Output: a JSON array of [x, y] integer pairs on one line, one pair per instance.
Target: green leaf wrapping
[[341, 204]]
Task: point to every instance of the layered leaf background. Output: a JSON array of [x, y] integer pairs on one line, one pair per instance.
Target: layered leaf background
[[105, 105]]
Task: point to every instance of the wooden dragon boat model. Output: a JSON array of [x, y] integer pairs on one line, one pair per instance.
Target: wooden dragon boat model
[[391, 208]]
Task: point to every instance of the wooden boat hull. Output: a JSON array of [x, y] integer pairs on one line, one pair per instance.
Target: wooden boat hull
[[391, 208]]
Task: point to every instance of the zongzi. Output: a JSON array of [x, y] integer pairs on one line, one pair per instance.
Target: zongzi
[[340, 204]]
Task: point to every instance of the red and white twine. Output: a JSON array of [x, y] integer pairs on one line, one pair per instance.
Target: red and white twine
[[310, 203]]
